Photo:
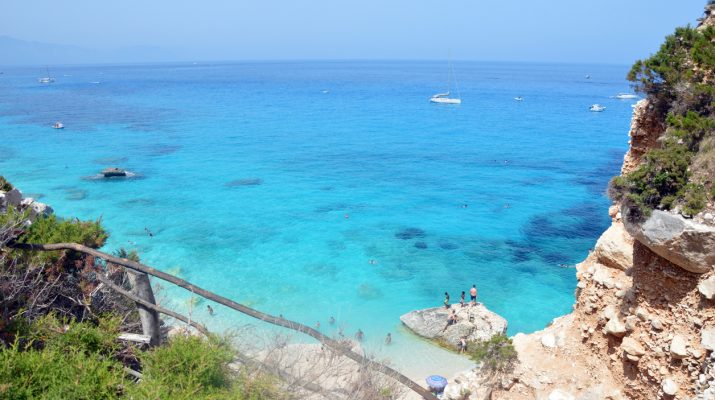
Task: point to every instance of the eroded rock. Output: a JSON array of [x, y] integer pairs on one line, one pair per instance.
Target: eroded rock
[[684, 242], [474, 322]]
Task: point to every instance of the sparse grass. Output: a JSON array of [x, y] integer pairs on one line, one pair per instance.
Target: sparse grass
[[5, 186]]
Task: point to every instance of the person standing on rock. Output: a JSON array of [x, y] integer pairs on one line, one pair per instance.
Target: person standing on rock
[[461, 299], [446, 300], [473, 294]]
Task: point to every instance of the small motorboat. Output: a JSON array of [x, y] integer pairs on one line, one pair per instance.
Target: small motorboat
[[58, 125], [625, 96], [519, 98], [47, 79], [113, 172], [597, 108], [444, 98], [588, 76]]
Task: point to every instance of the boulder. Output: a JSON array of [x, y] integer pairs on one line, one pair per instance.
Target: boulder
[[474, 322], [684, 242], [678, 347], [13, 197], [615, 327], [615, 247], [632, 347], [707, 338], [548, 341], [40, 209], [707, 287], [669, 387], [559, 394]]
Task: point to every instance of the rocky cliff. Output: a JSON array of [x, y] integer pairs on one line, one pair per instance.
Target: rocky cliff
[[643, 325]]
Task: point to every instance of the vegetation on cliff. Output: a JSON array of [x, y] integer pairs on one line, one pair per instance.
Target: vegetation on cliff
[[678, 81], [59, 328]]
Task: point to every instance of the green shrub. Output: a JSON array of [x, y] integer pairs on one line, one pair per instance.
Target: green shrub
[[51, 373], [5, 186], [85, 337], [193, 367], [496, 354], [52, 229]]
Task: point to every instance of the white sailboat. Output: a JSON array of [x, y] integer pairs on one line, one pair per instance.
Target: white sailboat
[[444, 98], [46, 79]]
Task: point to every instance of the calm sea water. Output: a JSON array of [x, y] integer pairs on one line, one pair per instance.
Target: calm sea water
[[275, 184]]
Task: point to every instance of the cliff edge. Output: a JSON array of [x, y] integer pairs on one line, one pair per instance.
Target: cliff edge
[[643, 324]]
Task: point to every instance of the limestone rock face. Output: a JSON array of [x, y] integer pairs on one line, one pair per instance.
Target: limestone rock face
[[431, 322], [615, 247], [615, 327], [683, 242], [646, 128], [669, 387]]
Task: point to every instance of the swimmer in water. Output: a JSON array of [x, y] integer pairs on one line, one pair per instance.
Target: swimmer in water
[[372, 262], [388, 338], [211, 310], [331, 321], [317, 325], [346, 216], [148, 232], [359, 335], [465, 205]]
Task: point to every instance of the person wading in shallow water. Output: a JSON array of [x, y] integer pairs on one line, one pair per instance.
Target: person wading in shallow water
[[446, 300], [473, 295]]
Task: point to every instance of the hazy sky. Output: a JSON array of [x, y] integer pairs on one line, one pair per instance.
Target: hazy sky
[[608, 31]]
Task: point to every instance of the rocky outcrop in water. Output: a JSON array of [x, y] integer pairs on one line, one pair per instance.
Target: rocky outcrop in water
[[13, 198], [473, 322]]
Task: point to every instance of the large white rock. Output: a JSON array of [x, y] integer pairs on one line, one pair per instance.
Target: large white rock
[[707, 337], [678, 347], [684, 242], [707, 287], [548, 341], [669, 387], [559, 394], [431, 322], [615, 247], [615, 327]]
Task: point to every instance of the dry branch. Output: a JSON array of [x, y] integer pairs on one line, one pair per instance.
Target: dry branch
[[333, 344]]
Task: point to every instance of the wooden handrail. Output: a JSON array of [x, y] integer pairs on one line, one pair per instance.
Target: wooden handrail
[[298, 327]]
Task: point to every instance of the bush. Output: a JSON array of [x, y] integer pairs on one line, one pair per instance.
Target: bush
[[5, 186], [496, 354], [52, 229], [193, 367], [677, 80]]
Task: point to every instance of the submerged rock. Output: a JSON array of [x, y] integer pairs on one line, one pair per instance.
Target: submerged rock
[[421, 245], [410, 233], [474, 322], [244, 182]]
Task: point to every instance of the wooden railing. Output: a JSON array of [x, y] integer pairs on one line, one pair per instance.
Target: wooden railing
[[142, 301]]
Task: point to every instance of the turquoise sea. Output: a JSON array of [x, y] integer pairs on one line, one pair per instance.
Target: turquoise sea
[[276, 184]]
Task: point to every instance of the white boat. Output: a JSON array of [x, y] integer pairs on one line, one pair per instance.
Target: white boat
[[58, 125], [519, 98], [443, 98], [626, 96], [46, 79], [597, 108]]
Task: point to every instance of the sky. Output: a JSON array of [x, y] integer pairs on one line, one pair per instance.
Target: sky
[[604, 31]]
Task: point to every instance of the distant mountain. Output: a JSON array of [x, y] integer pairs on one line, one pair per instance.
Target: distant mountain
[[22, 52]]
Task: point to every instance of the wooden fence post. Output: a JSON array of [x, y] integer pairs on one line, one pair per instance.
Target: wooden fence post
[[141, 287]]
